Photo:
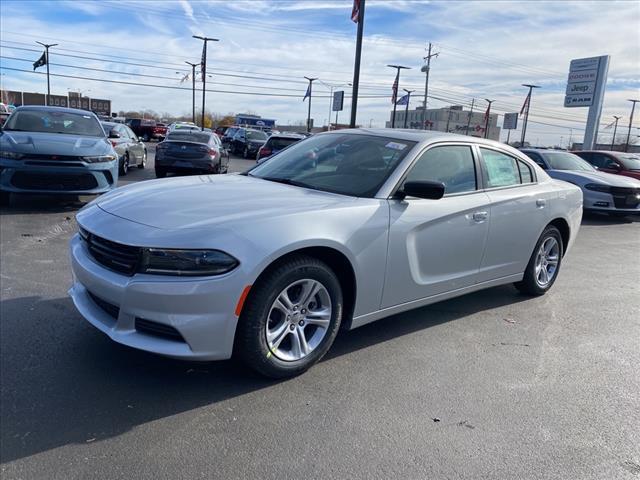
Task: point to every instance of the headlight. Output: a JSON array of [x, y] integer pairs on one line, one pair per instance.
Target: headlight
[[11, 155], [98, 158], [186, 262], [596, 187]]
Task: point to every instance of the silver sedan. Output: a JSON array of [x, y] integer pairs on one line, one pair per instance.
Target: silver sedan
[[336, 231]]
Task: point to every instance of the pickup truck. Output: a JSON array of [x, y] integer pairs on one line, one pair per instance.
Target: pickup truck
[[142, 127], [160, 131]]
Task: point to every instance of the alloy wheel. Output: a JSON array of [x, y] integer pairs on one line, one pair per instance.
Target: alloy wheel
[[547, 259]]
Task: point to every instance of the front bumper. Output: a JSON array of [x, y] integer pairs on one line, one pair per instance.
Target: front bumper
[[200, 309], [606, 202], [26, 176]]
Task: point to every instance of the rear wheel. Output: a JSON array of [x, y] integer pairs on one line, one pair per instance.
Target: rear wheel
[[290, 318], [544, 264], [161, 172], [245, 152], [144, 160], [5, 198], [124, 165]]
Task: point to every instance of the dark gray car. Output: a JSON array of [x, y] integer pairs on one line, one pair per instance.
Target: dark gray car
[[190, 152], [130, 149]]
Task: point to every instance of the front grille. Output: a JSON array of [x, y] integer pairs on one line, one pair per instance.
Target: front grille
[[624, 197], [109, 308], [53, 181], [114, 256], [158, 330]]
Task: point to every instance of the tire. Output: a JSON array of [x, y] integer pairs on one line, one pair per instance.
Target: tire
[[5, 198], [533, 281], [161, 172], [124, 165], [286, 356], [245, 153], [144, 160]]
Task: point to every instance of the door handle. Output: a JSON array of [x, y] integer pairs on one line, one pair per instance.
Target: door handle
[[480, 216], [541, 202]]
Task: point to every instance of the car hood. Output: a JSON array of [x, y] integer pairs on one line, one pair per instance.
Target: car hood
[[583, 177], [198, 201], [53, 143]]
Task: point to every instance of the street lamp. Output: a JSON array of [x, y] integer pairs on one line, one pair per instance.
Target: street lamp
[[204, 68], [626, 147], [486, 118], [406, 108], [193, 91], [396, 85], [526, 114], [46, 48], [311, 80], [331, 87]]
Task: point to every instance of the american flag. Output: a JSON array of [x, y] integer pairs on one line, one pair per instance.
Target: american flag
[[355, 11], [526, 103], [394, 89]]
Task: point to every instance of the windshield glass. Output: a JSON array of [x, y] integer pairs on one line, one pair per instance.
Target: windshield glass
[[629, 160], [349, 164], [189, 137], [256, 135], [566, 161], [47, 121]]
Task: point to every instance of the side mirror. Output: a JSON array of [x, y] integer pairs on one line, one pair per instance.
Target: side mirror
[[114, 134], [426, 189]]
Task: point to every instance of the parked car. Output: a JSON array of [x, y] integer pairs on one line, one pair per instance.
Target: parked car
[[160, 131], [247, 142], [55, 150], [337, 231], [276, 143], [183, 126], [190, 152], [130, 149], [142, 127], [228, 136], [618, 163], [220, 131], [603, 192]]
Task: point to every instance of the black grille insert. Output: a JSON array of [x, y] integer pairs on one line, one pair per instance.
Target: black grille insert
[[624, 197], [114, 256], [53, 181], [158, 330], [109, 308]]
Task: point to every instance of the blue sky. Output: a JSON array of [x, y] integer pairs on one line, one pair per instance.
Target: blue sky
[[487, 50]]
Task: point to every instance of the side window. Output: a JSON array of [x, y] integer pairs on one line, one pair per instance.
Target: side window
[[130, 134], [526, 176], [601, 161], [123, 132], [500, 170], [536, 158], [452, 165]]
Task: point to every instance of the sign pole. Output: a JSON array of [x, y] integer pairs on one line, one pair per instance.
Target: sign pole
[[595, 110]]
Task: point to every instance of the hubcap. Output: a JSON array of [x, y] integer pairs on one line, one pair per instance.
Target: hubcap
[[298, 320], [547, 261]]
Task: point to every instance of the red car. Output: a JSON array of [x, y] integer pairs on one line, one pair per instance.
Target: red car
[[619, 163], [160, 131]]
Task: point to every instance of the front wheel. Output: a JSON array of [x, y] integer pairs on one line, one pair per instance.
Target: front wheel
[[245, 153], [144, 160], [544, 264], [124, 165], [291, 318]]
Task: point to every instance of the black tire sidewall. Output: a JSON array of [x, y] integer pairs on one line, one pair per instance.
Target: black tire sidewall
[[253, 345]]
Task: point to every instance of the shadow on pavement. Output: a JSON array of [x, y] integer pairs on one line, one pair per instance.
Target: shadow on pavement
[[604, 219], [22, 204], [63, 382]]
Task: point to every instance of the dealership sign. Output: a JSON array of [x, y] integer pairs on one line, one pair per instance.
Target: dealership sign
[[338, 101], [510, 121]]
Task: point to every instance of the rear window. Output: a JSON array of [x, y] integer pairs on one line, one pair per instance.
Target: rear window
[[185, 136], [278, 143], [256, 135]]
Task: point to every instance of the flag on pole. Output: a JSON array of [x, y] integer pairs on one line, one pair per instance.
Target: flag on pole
[[404, 100], [308, 92], [394, 89], [185, 78], [486, 112], [41, 61], [203, 59], [355, 11], [525, 105], [610, 125]]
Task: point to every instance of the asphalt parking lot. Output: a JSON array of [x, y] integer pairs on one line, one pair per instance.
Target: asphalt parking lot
[[493, 385]]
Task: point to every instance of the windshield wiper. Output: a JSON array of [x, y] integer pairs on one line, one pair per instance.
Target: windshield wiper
[[288, 181]]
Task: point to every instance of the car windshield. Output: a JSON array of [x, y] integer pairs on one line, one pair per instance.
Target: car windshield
[[51, 121], [108, 127], [566, 161], [189, 137], [349, 164], [629, 160], [256, 135], [230, 132]]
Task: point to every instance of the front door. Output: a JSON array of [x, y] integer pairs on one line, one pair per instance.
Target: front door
[[436, 246]]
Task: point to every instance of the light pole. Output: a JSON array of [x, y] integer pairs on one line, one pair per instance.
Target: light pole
[[204, 68], [370, 122], [396, 85], [626, 146], [526, 114], [331, 87], [406, 108], [311, 80], [426, 68], [46, 48], [615, 129], [486, 117], [193, 91]]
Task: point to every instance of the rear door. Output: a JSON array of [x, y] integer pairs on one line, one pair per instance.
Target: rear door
[[518, 213], [436, 246], [136, 147]]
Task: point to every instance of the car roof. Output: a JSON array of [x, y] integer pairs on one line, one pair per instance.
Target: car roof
[[111, 124], [288, 135], [52, 109]]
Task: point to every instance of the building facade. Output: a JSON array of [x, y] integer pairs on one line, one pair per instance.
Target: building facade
[[452, 119]]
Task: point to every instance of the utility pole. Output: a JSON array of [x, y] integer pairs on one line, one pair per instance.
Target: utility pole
[[204, 69], [311, 80], [46, 49], [193, 90], [331, 87], [425, 69], [526, 114], [446, 129], [396, 85], [626, 147], [406, 109], [356, 66], [473, 101], [615, 129], [486, 118]]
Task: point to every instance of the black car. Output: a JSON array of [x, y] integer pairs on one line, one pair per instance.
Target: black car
[[277, 142], [190, 152], [228, 135], [247, 142]]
